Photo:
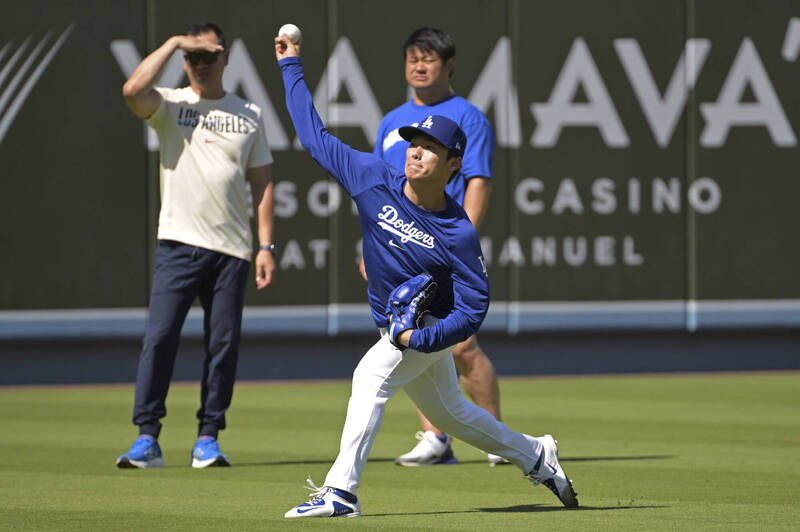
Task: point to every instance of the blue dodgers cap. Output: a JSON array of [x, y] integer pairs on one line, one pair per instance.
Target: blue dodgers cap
[[442, 129]]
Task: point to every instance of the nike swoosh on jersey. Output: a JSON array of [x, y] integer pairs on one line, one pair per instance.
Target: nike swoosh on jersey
[[404, 237], [392, 243]]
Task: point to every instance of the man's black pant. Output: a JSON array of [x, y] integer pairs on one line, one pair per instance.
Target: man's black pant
[[182, 273]]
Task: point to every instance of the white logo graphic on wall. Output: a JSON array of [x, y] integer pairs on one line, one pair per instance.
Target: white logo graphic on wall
[[20, 70], [496, 93]]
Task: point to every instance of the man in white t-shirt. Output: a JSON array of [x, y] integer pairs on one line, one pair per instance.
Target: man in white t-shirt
[[216, 172]]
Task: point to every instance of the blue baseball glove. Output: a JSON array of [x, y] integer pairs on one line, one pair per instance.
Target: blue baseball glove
[[408, 303]]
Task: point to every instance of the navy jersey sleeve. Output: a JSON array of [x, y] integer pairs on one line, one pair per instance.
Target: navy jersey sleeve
[[478, 158], [354, 170], [470, 298]]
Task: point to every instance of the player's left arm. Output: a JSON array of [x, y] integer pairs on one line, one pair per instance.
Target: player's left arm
[[470, 300], [260, 178], [470, 304]]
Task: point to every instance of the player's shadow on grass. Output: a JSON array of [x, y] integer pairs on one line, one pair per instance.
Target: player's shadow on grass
[[574, 459], [377, 460], [525, 508], [615, 458]]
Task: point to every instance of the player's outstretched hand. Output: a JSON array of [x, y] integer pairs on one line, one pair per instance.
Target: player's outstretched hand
[[284, 47]]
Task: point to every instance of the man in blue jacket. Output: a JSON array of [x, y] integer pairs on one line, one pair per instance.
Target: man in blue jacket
[[410, 226]]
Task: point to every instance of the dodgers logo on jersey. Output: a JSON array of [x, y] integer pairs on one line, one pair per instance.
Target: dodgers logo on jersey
[[407, 231]]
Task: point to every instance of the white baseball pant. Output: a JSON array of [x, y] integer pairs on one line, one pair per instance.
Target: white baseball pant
[[430, 380]]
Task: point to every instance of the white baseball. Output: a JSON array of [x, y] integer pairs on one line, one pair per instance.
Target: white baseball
[[291, 31]]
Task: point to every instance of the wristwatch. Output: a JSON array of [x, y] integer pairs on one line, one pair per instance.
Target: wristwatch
[[267, 247]]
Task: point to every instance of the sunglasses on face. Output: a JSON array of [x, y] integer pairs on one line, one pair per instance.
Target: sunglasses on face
[[208, 58]]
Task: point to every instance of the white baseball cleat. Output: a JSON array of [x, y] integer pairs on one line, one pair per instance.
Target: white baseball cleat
[[548, 471], [326, 502], [496, 460], [429, 451]]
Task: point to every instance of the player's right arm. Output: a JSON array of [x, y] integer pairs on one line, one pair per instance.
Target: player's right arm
[[139, 91], [354, 170]]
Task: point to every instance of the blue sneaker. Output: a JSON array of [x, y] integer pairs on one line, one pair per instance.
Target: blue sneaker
[[206, 453], [327, 502], [144, 453]]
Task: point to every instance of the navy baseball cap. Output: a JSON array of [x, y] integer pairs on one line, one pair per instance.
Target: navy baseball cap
[[441, 129]]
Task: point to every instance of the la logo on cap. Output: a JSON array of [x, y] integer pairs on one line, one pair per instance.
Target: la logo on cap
[[428, 123]]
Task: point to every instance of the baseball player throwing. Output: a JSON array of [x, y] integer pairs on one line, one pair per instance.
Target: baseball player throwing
[[428, 290]]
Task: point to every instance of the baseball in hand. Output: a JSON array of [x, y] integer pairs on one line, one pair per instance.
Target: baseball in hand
[[291, 31]]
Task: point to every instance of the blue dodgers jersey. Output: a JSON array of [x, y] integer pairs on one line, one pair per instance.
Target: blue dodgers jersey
[[477, 160], [401, 240]]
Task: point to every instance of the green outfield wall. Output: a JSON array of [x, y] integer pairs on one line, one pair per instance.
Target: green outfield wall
[[646, 172]]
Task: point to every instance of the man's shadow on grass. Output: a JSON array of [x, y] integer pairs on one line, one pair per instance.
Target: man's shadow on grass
[[378, 460], [328, 461]]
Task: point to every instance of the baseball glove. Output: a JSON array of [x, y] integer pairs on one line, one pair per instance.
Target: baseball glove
[[408, 303]]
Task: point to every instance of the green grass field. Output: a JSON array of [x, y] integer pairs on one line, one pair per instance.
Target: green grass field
[[690, 452]]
